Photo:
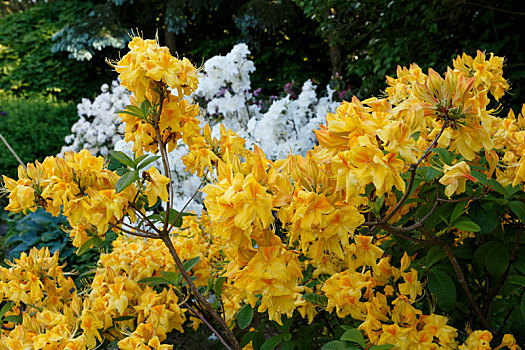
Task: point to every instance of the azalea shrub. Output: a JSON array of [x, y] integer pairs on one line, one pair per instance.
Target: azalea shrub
[[401, 228]]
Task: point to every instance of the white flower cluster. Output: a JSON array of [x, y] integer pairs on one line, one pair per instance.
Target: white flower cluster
[[98, 127], [225, 94], [288, 125], [225, 86]]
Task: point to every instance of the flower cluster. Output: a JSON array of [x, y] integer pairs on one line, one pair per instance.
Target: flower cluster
[[79, 186], [36, 284], [303, 233], [98, 128]]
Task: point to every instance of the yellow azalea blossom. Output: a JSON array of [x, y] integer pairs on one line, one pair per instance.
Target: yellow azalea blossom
[[411, 286], [455, 178], [156, 187], [478, 340]]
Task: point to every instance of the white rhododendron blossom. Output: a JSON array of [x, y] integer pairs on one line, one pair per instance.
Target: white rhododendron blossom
[[225, 96], [99, 127]]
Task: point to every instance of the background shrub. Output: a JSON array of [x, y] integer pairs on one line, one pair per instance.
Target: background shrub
[[34, 126], [27, 63]]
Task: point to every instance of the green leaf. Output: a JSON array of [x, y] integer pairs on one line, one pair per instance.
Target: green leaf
[[497, 258], [154, 281], [315, 298], [518, 280], [13, 318], [444, 155], [189, 264], [459, 210], [522, 306], [246, 339], [139, 159], [518, 208], [217, 287], [334, 345], [87, 244], [355, 336], [245, 316], [172, 277], [466, 224], [123, 318], [442, 287], [147, 162], [434, 255], [511, 191], [96, 241], [122, 158], [145, 107], [381, 347], [122, 171], [125, 181], [487, 219], [6, 308], [136, 111], [480, 255], [271, 343]]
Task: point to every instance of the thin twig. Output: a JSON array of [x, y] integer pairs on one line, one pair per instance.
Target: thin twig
[[203, 319], [135, 233], [12, 151], [415, 226], [461, 279], [187, 203], [145, 218], [412, 170], [167, 240]]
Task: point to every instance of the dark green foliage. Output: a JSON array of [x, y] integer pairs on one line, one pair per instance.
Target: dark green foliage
[[27, 63], [34, 126], [374, 36], [99, 29], [41, 229]]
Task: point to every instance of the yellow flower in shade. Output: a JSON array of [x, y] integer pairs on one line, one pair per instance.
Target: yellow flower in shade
[[363, 252], [508, 341], [274, 273], [411, 286], [344, 291], [156, 186], [21, 196], [90, 325], [455, 178], [437, 326], [478, 340], [395, 335]]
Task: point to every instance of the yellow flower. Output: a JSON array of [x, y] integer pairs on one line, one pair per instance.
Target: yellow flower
[[156, 186], [411, 286], [455, 178]]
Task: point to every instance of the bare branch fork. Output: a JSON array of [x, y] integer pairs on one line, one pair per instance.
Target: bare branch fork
[[164, 235], [384, 221]]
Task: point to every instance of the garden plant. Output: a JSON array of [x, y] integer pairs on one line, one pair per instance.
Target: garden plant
[[401, 228]]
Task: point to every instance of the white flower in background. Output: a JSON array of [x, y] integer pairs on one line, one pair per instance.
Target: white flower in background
[[99, 127], [225, 87]]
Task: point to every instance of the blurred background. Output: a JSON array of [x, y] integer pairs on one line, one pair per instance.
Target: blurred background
[[52, 54]]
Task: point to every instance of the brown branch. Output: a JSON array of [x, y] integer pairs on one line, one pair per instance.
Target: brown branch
[[187, 203], [138, 233], [166, 239], [443, 200], [495, 8], [415, 226], [203, 319], [412, 170], [461, 279], [145, 218]]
